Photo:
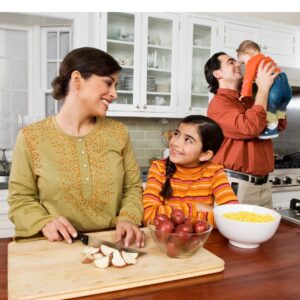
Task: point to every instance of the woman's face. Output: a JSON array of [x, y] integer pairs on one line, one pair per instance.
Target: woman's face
[[186, 146], [97, 92]]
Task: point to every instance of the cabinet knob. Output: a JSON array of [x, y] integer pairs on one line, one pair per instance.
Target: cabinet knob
[[145, 106], [265, 47], [137, 106]]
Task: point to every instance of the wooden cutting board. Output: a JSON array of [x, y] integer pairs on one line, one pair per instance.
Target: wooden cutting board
[[45, 270]]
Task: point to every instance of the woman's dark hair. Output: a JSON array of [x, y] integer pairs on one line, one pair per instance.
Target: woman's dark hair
[[211, 136], [212, 65], [87, 61]]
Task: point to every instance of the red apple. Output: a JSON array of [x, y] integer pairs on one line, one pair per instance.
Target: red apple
[[188, 221], [184, 228], [177, 216], [193, 243], [172, 249], [163, 230], [200, 226], [160, 217]]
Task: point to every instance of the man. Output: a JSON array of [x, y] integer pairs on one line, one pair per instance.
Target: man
[[247, 160]]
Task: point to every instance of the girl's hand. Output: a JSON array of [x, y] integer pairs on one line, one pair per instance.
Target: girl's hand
[[129, 232], [59, 229]]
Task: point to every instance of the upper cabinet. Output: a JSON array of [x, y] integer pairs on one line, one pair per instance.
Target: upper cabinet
[[146, 46], [278, 44], [201, 36]]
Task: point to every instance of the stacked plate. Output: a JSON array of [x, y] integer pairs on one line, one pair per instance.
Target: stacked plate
[[128, 83], [163, 88], [151, 87]]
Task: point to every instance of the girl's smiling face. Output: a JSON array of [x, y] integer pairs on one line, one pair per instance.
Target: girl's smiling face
[[186, 146]]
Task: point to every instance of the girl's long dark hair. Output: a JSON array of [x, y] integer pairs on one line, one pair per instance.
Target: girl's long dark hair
[[211, 136]]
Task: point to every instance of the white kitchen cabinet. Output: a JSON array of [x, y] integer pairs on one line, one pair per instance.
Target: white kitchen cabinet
[[201, 36], [146, 46], [280, 45], [7, 228]]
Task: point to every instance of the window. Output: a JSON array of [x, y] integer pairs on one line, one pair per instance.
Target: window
[[14, 64], [55, 44]]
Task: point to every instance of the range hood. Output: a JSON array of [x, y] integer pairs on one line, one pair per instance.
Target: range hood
[[293, 75]]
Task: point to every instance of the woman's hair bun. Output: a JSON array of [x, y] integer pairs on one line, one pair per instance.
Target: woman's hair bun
[[59, 88]]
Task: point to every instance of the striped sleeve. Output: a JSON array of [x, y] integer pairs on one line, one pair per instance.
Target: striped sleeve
[[221, 188]]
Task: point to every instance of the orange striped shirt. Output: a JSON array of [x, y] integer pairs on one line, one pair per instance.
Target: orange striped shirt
[[203, 184]]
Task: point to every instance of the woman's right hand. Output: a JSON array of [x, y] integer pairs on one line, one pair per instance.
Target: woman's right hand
[[59, 229]]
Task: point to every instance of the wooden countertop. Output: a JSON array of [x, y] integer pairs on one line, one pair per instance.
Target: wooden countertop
[[271, 271]]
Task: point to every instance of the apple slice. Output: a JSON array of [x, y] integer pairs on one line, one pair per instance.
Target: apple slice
[[90, 250], [117, 260], [98, 255], [87, 259], [103, 262], [130, 258], [107, 250]]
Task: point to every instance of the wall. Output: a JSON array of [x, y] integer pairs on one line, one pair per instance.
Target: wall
[[146, 136]]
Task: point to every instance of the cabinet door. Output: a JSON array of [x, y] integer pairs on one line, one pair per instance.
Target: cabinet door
[[235, 34], [122, 39], [201, 41], [159, 72], [279, 43]]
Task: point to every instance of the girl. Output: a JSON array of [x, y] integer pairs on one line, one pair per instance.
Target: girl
[[187, 180]]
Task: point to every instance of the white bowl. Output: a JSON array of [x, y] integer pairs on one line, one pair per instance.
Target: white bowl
[[245, 234]]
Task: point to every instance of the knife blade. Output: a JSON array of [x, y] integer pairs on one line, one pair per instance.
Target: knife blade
[[97, 242]]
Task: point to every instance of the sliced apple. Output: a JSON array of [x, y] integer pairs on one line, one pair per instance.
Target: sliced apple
[[107, 250], [87, 259], [90, 250], [129, 258], [117, 260], [103, 262], [98, 255]]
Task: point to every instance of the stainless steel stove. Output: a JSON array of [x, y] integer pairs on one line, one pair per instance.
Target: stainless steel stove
[[285, 180], [292, 214]]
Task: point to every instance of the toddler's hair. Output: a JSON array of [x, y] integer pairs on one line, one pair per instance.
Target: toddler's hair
[[246, 45], [211, 136]]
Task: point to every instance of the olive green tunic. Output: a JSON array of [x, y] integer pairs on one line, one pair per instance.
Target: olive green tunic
[[93, 180]]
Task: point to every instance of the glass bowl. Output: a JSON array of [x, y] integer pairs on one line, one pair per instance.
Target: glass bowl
[[179, 245]]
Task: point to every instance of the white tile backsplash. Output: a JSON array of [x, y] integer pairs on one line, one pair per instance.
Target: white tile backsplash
[[145, 134]]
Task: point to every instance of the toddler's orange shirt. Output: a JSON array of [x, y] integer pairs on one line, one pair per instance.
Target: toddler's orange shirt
[[251, 71]]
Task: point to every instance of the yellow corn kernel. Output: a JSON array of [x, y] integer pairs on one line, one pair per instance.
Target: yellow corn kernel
[[245, 216]]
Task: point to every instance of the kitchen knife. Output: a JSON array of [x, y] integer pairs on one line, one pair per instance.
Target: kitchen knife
[[96, 242]]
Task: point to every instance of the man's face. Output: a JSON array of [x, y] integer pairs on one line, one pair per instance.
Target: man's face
[[230, 70]]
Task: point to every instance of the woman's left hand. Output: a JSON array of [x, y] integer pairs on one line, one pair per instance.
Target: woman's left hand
[[129, 232]]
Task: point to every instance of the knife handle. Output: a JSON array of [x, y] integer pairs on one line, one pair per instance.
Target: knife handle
[[82, 237]]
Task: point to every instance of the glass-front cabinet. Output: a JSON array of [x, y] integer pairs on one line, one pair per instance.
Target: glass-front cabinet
[[201, 41], [146, 46]]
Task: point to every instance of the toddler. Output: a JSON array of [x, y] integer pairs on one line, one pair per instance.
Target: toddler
[[280, 93]]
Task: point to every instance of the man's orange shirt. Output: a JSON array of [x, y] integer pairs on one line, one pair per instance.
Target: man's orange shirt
[[242, 122], [251, 71]]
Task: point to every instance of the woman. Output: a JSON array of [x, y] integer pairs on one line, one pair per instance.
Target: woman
[[76, 171]]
